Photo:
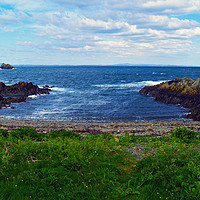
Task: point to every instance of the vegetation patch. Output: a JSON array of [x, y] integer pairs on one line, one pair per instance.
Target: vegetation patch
[[186, 135], [65, 165]]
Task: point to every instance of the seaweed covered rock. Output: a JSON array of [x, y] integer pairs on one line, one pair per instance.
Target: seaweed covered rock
[[185, 92], [6, 66], [19, 92]]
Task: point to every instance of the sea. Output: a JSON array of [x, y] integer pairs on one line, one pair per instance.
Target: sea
[[95, 93]]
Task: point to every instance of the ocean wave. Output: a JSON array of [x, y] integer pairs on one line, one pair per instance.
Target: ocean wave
[[34, 96], [150, 83], [58, 89], [62, 90], [158, 73], [46, 112], [130, 85]]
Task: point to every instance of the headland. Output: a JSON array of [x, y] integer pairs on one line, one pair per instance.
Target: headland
[[184, 92]]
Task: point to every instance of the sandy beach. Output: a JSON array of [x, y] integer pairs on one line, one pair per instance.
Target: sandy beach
[[157, 128]]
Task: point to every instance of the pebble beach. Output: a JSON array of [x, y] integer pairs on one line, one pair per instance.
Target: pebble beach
[[157, 128]]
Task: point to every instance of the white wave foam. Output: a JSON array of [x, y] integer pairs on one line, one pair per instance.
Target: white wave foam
[[33, 96], [158, 73], [117, 85], [151, 82], [41, 112], [45, 112], [58, 89], [62, 90], [130, 85]]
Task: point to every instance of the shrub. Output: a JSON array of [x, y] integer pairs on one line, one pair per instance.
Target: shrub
[[107, 136], [4, 133], [63, 133], [184, 134], [22, 133]]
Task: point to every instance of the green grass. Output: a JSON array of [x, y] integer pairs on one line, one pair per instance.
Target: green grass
[[65, 165]]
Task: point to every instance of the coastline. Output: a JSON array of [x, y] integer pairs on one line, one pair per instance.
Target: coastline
[[157, 128]]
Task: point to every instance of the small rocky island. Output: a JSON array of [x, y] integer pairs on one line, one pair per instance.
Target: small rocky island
[[6, 66], [19, 92], [184, 92]]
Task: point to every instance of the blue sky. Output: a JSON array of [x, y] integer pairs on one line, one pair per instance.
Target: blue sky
[[74, 32]]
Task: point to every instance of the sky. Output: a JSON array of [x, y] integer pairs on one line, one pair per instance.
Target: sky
[[100, 32]]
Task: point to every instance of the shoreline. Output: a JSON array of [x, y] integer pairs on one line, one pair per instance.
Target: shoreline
[[157, 128]]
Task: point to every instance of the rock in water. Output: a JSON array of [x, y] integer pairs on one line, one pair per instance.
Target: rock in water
[[6, 66], [185, 91], [19, 92]]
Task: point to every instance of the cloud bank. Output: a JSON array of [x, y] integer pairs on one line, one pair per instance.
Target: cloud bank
[[100, 31]]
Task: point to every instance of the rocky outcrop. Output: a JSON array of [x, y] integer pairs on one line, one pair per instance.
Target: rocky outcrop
[[6, 66], [184, 92], [19, 92]]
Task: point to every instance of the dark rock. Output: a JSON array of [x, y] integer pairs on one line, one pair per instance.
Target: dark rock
[[6, 66], [23, 89], [2, 86], [185, 92], [1, 98], [19, 92]]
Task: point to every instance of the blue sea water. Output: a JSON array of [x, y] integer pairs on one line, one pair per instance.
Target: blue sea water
[[94, 93]]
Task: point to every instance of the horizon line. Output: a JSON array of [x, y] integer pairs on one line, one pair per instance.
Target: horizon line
[[107, 65]]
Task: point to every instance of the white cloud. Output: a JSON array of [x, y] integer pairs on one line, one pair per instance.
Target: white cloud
[[121, 8], [27, 43], [69, 31], [162, 22], [110, 44], [5, 29], [165, 4], [8, 16], [110, 26], [171, 6], [52, 31], [82, 4], [188, 33], [175, 23], [11, 18], [107, 27]]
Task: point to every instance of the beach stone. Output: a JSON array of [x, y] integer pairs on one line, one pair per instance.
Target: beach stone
[[159, 128]]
